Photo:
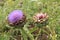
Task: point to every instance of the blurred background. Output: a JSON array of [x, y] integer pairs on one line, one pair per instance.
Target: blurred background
[[30, 7]]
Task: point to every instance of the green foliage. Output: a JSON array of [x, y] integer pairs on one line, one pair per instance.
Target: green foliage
[[30, 7]]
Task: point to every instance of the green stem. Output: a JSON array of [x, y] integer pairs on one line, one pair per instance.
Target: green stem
[[28, 33], [38, 34], [23, 34]]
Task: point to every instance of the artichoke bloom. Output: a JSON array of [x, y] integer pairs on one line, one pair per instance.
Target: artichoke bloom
[[15, 17], [40, 17]]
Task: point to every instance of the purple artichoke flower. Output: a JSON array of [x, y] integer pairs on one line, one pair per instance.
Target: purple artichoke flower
[[15, 17]]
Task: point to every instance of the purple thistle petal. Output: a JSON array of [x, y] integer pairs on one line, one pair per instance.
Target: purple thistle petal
[[15, 16]]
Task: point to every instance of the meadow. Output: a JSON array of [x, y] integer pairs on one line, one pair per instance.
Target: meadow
[[49, 31]]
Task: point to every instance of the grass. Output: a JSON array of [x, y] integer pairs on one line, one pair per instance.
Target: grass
[[30, 7]]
